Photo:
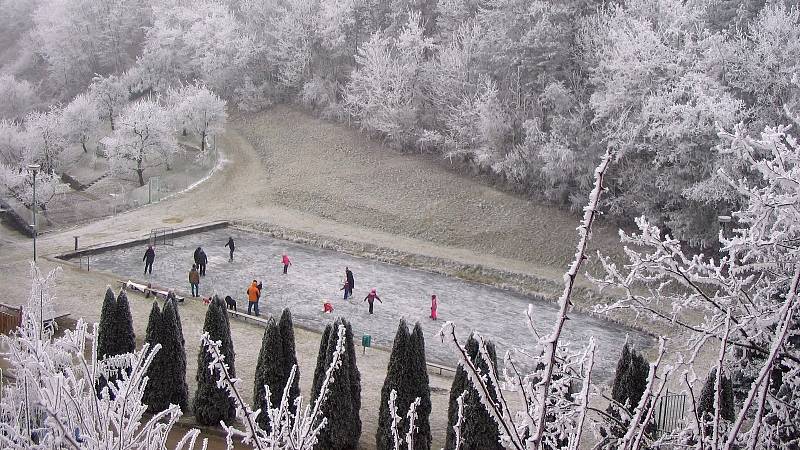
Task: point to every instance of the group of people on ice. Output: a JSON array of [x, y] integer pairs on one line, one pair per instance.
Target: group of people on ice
[[255, 288]]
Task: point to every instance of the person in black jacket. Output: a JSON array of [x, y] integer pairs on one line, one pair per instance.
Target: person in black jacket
[[201, 260], [351, 282], [149, 257], [231, 245]]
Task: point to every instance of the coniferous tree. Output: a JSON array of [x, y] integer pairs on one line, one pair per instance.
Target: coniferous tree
[[395, 373], [319, 369], [418, 385], [115, 334], [108, 313], [270, 372], [175, 364], [705, 407], [211, 403], [630, 381], [478, 429], [154, 391], [622, 367], [344, 427], [286, 327], [355, 376]]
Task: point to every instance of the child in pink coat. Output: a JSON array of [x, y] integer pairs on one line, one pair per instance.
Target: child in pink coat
[[286, 263], [434, 306]]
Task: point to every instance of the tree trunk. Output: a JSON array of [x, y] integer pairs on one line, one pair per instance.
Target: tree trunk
[[111, 119], [203, 142], [83, 144], [140, 172]]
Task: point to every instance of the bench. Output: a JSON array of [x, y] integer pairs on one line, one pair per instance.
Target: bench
[[159, 293], [441, 368]]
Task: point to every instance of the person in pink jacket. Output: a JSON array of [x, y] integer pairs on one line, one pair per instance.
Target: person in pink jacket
[[371, 297], [434, 306], [286, 263]]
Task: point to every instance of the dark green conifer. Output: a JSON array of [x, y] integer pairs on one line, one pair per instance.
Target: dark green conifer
[[270, 372], [320, 368], [395, 374], [212, 404], [343, 429], [705, 407], [286, 327], [478, 429], [154, 391], [174, 369], [115, 334], [418, 385]]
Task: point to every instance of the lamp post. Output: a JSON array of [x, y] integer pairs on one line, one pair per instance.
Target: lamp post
[[34, 168], [724, 220]]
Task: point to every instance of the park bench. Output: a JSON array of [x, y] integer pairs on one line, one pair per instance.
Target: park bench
[[148, 290], [441, 368]]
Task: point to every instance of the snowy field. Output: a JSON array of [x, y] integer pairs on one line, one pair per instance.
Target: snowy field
[[317, 274]]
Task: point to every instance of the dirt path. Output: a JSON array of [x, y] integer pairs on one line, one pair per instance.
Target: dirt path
[[321, 178]]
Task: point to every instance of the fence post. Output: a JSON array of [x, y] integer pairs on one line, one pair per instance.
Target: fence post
[[76, 243]]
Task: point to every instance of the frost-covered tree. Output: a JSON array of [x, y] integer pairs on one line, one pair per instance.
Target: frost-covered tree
[[80, 38], [211, 402], [392, 383], [748, 297], [110, 95], [199, 111], [51, 400], [143, 139], [80, 119], [44, 139], [186, 41], [17, 97], [385, 91], [659, 105]]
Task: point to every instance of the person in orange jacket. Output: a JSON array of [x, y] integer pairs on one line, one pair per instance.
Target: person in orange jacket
[[253, 293]]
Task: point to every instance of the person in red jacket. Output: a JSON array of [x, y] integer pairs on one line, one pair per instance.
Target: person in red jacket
[[371, 297], [434, 306], [286, 263]]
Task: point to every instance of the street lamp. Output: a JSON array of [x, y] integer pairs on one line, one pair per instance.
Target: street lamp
[[34, 168], [724, 220]]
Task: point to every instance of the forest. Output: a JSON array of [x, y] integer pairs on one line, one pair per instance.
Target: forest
[[529, 92]]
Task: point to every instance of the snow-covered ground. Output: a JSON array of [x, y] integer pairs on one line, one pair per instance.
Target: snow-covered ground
[[317, 274]]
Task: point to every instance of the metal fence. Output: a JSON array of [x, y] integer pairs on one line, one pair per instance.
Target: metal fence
[[162, 236], [669, 413]]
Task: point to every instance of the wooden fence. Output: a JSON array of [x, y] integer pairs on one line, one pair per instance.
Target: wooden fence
[[10, 318]]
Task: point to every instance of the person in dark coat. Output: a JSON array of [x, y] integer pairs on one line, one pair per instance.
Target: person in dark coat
[[351, 282], [149, 257], [194, 281], [231, 245], [200, 259]]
